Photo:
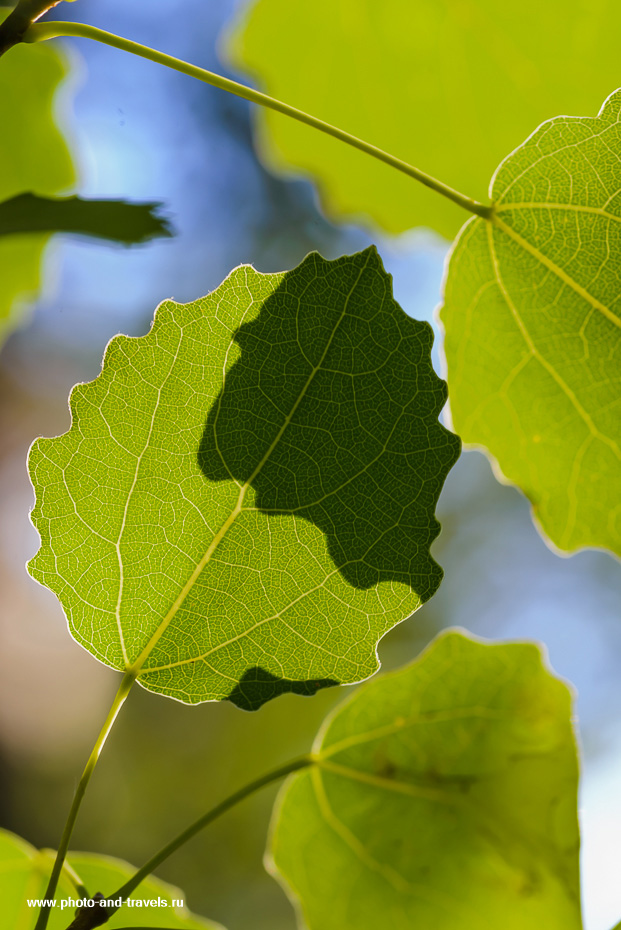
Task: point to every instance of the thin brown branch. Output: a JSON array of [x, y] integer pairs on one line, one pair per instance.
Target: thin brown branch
[[23, 16]]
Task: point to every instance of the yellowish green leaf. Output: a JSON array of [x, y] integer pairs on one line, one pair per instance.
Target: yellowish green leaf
[[33, 158], [244, 503], [448, 86], [533, 327], [444, 795]]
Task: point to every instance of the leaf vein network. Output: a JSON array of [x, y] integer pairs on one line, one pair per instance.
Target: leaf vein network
[[137, 665]]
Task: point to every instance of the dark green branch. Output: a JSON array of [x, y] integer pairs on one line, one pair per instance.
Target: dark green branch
[[23, 16], [88, 918], [125, 890]]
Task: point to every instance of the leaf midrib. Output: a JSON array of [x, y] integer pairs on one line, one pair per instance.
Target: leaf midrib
[[404, 723], [536, 354], [137, 665], [499, 835], [259, 623], [511, 207], [557, 270]]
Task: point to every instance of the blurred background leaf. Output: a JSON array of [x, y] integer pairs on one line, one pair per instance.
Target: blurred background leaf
[[451, 87], [33, 157]]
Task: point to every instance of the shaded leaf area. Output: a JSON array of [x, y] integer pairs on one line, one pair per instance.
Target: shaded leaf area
[[33, 156], [115, 220], [449, 87], [250, 485], [257, 686], [330, 413], [533, 327], [24, 873], [444, 795]]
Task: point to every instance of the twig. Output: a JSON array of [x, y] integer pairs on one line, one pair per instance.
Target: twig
[[23, 16]]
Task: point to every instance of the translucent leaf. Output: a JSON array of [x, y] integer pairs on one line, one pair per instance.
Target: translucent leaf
[[244, 502], [33, 157], [115, 220], [533, 328], [448, 86], [444, 795], [24, 873]]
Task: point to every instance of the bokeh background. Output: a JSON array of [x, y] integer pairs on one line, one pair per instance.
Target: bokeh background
[[143, 132]]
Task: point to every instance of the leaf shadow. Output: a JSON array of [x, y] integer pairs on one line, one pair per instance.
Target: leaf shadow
[[257, 686], [330, 413]]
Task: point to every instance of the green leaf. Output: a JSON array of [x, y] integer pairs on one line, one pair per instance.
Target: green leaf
[[533, 331], [116, 220], [449, 87], [244, 502], [444, 796], [24, 872], [33, 157]]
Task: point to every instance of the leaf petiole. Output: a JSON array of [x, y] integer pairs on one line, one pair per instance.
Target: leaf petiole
[[275, 775], [119, 699], [20, 18], [42, 31]]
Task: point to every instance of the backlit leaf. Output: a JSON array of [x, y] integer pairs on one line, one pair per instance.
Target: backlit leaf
[[24, 873], [533, 327], [244, 503], [444, 795], [448, 86], [33, 157]]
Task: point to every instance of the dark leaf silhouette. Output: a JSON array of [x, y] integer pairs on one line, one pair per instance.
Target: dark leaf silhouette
[[115, 220], [258, 686]]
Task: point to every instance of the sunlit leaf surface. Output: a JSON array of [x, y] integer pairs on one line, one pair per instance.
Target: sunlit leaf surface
[[533, 327], [245, 501], [445, 795]]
